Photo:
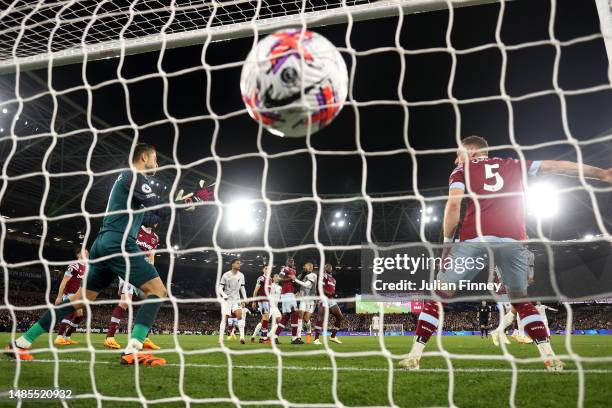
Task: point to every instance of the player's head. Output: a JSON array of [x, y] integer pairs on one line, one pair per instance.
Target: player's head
[[275, 277], [329, 268], [145, 158], [291, 263], [81, 253], [264, 269], [538, 303], [235, 264], [484, 303], [308, 266], [471, 148]]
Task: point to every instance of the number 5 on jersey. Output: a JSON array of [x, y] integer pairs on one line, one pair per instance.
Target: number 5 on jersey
[[491, 171]]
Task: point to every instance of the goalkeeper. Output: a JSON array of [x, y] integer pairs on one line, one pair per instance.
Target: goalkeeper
[[107, 258]]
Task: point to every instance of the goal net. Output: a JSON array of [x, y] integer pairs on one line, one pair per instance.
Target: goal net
[[82, 82]]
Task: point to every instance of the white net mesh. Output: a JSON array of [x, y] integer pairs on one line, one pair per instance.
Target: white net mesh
[[62, 142]]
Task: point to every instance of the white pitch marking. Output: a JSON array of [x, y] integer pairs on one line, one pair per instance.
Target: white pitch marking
[[422, 370]]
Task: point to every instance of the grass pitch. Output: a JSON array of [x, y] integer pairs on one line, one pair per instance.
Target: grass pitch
[[307, 374]]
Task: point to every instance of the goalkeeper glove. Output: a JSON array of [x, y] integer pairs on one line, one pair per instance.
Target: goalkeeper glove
[[200, 195]]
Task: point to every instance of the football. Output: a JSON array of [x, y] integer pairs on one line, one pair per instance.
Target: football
[[294, 82]]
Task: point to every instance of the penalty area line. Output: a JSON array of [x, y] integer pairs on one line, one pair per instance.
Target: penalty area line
[[357, 369]]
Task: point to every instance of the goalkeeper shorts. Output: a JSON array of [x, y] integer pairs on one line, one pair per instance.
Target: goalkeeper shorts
[[509, 255], [102, 273]]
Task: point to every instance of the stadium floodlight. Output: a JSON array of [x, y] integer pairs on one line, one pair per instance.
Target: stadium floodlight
[[176, 247], [542, 200], [333, 223], [341, 224], [589, 236], [4, 110], [429, 210], [338, 214], [239, 215]]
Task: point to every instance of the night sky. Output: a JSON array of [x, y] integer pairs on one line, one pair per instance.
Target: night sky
[[535, 120]]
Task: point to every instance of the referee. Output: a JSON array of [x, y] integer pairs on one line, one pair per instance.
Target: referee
[[484, 316]]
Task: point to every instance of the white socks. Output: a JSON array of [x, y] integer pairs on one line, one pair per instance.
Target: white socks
[[257, 329], [299, 328], [417, 349], [506, 321], [133, 346], [21, 342], [545, 350], [241, 324], [521, 327]]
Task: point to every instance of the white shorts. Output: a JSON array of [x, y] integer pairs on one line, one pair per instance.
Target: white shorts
[[307, 306], [329, 303], [229, 306], [289, 302], [126, 288], [275, 313], [66, 296], [263, 307]]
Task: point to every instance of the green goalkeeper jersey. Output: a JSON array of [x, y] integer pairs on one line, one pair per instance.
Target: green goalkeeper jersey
[[142, 197]]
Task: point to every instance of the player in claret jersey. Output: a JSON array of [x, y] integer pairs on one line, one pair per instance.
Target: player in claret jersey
[[495, 221], [288, 301], [129, 198], [71, 283], [329, 289], [262, 292], [147, 240]]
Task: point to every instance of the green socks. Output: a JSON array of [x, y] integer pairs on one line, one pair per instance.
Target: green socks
[[44, 323], [145, 318]]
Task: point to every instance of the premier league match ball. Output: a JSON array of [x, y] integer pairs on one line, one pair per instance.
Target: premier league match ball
[[294, 82]]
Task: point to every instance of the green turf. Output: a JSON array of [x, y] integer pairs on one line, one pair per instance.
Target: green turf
[[307, 379]]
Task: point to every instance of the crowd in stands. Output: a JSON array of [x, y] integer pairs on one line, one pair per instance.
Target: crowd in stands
[[197, 318]]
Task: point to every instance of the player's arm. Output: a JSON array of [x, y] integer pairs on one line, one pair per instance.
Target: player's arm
[[243, 292], [143, 194], [571, 169], [62, 285], [550, 308], [221, 289], [255, 291], [452, 212], [306, 283]]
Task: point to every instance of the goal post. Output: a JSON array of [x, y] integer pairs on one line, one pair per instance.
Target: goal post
[[214, 22]]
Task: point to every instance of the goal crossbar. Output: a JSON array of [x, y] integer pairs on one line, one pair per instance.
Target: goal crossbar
[[77, 52]]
